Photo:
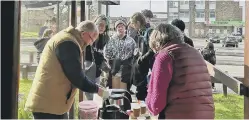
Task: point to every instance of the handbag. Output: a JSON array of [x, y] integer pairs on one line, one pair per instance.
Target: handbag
[[90, 67], [90, 72]]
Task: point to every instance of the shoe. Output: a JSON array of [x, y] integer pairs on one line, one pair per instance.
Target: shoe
[[214, 90]]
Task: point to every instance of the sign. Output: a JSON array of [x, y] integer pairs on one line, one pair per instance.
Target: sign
[[227, 23]]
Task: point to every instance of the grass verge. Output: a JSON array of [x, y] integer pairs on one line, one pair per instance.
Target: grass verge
[[230, 107]]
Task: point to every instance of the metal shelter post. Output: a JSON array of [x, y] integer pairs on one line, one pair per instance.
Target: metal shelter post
[[11, 37], [58, 17], [73, 23], [82, 18], [246, 60]]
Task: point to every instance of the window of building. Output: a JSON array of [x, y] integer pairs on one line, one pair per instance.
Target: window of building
[[212, 14], [184, 2], [202, 31], [200, 14], [202, 2], [184, 14], [197, 31], [173, 4], [225, 31], [211, 2], [210, 30], [218, 31], [213, 30]]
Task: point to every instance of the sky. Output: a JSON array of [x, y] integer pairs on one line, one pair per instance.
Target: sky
[[127, 9]]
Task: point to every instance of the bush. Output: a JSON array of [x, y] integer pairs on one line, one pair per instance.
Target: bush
[[22, 114]]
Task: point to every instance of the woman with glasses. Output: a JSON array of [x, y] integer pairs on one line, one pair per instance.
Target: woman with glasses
[[101, 22], [119, 52]]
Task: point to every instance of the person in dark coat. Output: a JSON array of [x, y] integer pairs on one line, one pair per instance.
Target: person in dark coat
[[208, 54], [148, 16], [43, 28], [181, 25], [40, 44], [102, 23], [141, 66]]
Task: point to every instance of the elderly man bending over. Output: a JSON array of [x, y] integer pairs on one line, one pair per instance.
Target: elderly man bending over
[[60, 73]]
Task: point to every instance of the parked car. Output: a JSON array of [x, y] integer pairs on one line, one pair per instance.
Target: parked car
[[222, 37], [237, 36], [208, 35], [214, 39], [230, 41]]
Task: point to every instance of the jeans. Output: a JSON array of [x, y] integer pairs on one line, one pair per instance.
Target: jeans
[[38, 115]]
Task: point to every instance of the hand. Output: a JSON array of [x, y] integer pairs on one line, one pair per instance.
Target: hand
[[103, 93], [136, 51], [100, 92]]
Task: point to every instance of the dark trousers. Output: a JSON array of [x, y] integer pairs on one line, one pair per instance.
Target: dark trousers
[[162, 114], [49, 116]]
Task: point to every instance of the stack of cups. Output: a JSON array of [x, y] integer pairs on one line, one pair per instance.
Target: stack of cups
[[142, 108], [136, 110]]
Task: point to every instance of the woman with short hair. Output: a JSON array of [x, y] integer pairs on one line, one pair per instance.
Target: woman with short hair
[[180, 85]]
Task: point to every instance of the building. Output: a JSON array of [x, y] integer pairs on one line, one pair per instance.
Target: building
[[222, 17]]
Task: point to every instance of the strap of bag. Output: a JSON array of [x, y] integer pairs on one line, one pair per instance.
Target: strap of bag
[[93, 59]]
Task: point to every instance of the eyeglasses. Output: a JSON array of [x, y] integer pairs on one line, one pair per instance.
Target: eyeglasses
[[91, 37]]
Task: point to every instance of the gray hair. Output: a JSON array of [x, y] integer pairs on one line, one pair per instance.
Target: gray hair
[[163, 34], [87, 26]]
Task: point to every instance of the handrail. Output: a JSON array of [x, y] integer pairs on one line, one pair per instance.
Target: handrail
[[224, 78]]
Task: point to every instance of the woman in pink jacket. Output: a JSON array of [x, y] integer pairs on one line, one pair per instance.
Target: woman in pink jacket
[[180, 85]]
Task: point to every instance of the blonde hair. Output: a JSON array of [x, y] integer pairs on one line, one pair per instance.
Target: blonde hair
[[163, 34], [87, 26], [47, 33]]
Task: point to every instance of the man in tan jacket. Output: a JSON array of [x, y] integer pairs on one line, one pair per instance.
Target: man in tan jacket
[[59, 73]]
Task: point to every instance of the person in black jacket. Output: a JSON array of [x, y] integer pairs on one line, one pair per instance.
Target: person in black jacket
[[181, 25], [141, 66], [208, 54], [40, 44], [43, 28], [101, 22]]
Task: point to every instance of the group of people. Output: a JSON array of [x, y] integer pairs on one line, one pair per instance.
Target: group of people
[[169, 74]]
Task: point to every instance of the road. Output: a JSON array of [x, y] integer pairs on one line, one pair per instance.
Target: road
[[229, 59]]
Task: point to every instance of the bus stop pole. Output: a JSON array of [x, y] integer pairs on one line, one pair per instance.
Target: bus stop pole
[[246, 59], [73, 23], [82, 18], [16, 60]]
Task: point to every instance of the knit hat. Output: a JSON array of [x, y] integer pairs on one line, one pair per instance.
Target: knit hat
[[119, 22]]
